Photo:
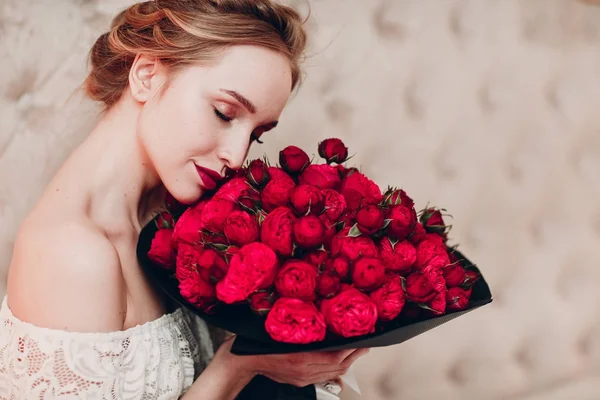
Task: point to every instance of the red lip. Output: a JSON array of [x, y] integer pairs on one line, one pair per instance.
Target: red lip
[[209, 177]]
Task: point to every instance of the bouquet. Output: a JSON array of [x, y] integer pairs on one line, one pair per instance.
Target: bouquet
[[311, 256]]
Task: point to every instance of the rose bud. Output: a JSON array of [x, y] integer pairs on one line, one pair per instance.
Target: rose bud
[[343, 172], [352, 247], [359, 190], [277, 230], [253, 267], [295, 321], [368, 273], [241, 228], [161, 249], [164, 220], [350, 313], [348, 219], [454, 275], [250, 199], [330, 230], [438, 305], [433, 221], [316, 257], [309, 232], [333, 150], [297, 279], [389, 298], [186, 263], [320, 175], [258, 173], [305, 198], [432, 252], [457, 299], [219, 270], [369, 219], [278, 173], [197, 291], [293, 159], [399, 257], [232, 190], [470, 278], [419, 289], [206, 258], [328, 284], [173, 205], [403, 221], [261, 302], [394, 197], [335, 204], [215, 213], [277, 193], [418, 234], [188, 227], [339, 265]]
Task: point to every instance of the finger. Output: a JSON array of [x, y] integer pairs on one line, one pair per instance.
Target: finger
[[353, 357], [329, 357]]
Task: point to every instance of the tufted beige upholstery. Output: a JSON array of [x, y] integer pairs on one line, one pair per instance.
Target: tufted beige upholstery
[[490, 108]]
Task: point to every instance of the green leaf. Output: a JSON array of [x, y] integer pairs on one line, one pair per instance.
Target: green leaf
[[220, 247], [386, 222], [354, 231]]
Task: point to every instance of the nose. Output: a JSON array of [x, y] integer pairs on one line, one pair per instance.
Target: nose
[[234, 151]]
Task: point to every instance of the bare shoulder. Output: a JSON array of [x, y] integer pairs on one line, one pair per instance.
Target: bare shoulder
[[65, 274]]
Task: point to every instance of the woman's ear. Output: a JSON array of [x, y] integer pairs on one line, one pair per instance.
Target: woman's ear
[[145, 77]]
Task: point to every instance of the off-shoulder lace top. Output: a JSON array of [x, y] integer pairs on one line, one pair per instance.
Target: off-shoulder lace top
[[157, 360]]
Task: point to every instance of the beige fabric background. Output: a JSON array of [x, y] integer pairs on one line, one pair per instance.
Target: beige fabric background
[[489, 108]]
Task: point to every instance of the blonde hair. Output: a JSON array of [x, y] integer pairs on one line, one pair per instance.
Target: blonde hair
[[183, 32]]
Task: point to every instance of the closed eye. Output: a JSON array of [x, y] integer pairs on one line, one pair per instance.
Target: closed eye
[[222, 116]]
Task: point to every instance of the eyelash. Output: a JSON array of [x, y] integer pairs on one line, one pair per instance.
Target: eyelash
[[224, 118]]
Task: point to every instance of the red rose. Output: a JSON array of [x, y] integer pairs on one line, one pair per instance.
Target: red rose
[[333, 150], [258, 173], [253, 267], [348, 218], [305, 198], [293, 159], [215, 213], [389, 298], [261, 302], [250, 198], [186, 263], [277, 230], [241, 228], [161, 249], [295, 321], [359, 190], [188, 228], [309, 232], [368, 273], [277, 192], [470, 278], [232, 190], [418, 234], [352, 247], [316, 257], [454, 275], [433, 221], [432, 252], [328, 284], [457, 298], [197, 292], [438, 304], [335, 204], [278, 173], [330, 230], [339, 265], [419, 289], [403, 221], [297, 279], [322, 176], [211, 267], [369, 219], [399, 257], [350, 313], [398, 196]]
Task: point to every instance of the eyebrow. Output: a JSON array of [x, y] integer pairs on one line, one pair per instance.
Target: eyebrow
[[245, 102], [248, 105]]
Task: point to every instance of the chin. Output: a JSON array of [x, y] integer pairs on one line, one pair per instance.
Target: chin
[[187, 196]]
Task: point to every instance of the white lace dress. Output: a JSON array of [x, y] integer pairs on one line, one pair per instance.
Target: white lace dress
[[157, 360]]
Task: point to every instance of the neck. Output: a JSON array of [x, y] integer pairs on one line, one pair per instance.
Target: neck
[[114, 172]]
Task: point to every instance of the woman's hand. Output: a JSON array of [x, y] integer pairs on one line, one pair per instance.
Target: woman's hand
[[299, 369]]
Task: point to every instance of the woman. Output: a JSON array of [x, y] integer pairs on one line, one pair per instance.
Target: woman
[[188, 86]]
